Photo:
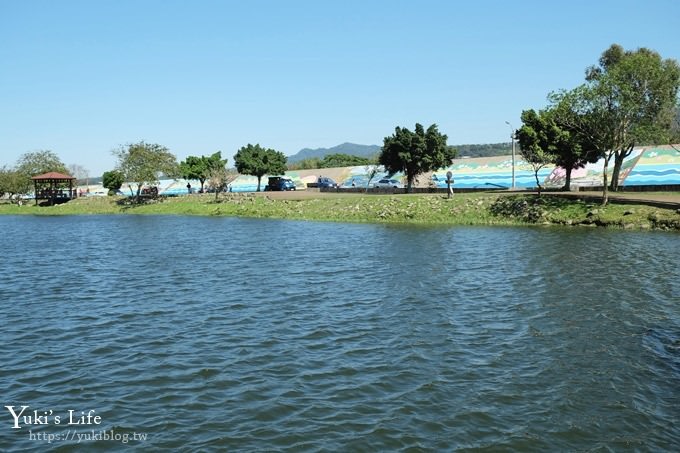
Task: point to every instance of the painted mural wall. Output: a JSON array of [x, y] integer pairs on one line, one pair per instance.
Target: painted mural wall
[[651, 165]]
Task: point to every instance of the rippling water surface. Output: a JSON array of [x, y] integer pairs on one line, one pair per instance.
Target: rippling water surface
[[256, 335]]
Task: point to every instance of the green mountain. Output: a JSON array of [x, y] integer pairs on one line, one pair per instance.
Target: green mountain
[[485, 150], [346, 148]]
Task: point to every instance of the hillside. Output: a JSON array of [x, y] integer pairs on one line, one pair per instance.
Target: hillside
[[346, 148], [485, 150]]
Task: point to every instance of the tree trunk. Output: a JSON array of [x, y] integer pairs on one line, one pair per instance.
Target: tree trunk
[[258, 183], [614, 183], [605, 186], [619, 156], [202, 185], [409, 184], [538, 184], [567, 182]]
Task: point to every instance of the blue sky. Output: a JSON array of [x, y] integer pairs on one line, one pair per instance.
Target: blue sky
[[84, 77]]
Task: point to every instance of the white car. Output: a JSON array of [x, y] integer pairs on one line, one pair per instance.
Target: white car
[[388, 184]]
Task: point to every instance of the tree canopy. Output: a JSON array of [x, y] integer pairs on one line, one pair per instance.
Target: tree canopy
[[194, 167], [641, 89], [543, 141], [537, 141], [629, 99], [13, 183], [39, 162], [112, 180], [257, 161], [17, 180], [143, 163], [415, 152]]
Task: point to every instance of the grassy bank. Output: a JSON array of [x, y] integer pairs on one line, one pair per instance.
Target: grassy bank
[[462, 209]]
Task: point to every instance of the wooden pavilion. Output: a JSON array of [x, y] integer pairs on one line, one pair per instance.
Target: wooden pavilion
[[52, 187]]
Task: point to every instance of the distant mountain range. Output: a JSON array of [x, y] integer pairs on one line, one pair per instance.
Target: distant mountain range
[[346, 148], [485, 150]]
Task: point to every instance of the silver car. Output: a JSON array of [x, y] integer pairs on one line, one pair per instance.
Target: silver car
[[388, 183]]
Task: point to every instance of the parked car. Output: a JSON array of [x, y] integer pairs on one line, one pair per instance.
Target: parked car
[[279, 183], [327, 182], [388, 183]]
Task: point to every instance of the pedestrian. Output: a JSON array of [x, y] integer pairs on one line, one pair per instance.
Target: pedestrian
[[189, 187]]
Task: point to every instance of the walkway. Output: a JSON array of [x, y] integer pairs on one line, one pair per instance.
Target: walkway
[[666, 200]]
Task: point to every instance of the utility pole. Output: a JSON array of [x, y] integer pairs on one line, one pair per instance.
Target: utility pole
[[512, 138]]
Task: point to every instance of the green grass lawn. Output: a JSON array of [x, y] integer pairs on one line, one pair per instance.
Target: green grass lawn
[[462, 209]]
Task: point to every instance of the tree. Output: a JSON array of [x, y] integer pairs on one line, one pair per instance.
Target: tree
[[143, 163], [416, 152], [537, 140], [585, 112], [639, 89], [675, 130], [36, 163], [39, 162], [13, 183], [257, 161], [78, 171], [219, 179], [200, 168], [112, 180], [541, 138]]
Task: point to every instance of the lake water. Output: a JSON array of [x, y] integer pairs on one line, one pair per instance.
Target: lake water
[[224, 334]]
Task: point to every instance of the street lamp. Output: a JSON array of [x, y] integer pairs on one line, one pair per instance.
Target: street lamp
[[512, 137]]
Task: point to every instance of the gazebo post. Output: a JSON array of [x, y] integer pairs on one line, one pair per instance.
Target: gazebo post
[[35, 192]]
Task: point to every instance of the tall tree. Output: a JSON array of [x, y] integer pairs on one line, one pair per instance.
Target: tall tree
[[537, 141], [416, 152], [541, 138], [257, 161], [585, 112], [640, 90], [143, 163], [200, 168], [39, 162]]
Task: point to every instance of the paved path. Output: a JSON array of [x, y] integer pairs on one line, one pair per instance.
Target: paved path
[[668, 200]]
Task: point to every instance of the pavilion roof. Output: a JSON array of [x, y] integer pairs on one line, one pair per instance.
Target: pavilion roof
[[53, 175]]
